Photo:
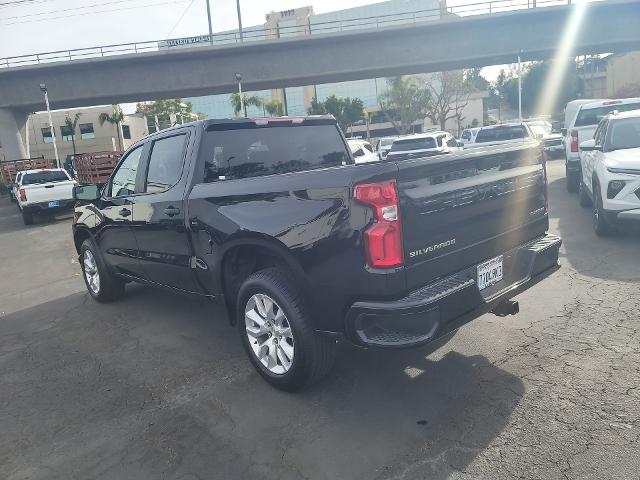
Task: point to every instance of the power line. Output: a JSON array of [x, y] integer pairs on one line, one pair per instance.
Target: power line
[[15, 3], [83, 14], [180, 19], [67, 9]]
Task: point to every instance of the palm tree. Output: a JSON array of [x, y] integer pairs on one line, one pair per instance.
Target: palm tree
[[274, 107], [238, 105], [116, 118], [71, 126]]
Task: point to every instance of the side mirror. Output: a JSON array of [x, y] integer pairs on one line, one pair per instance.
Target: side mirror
[[563, 131], [589, 146], [460, 144], [88, 193]]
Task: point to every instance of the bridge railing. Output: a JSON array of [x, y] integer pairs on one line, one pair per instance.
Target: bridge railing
[[253, 34]]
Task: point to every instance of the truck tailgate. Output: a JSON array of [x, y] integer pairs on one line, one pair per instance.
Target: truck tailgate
[[461, 209], [46, 192]]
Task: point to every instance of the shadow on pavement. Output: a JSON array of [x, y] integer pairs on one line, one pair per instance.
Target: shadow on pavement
[[607, 258], [11, 218], [158, 386]]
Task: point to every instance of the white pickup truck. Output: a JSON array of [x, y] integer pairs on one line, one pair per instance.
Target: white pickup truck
[[44, 192]]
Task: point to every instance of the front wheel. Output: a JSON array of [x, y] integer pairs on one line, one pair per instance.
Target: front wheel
[[101, 284], [27, 218], [601, 224], [276, 331]]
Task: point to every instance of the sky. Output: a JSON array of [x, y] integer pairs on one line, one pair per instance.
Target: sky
[[34, 26]]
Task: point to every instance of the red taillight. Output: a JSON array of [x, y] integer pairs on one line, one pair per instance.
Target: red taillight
[[383, 239], [574, 141], [23, 195]]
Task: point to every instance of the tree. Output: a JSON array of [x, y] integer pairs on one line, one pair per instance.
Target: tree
[[238, 105], [404, 102], [167, 112], [449, 96], [346, 111], [274, 107], [71, 125], [115, 118]]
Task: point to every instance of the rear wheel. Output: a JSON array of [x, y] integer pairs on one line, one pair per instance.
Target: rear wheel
[[101, 284], [275, 329], [583, 196], [27, 218], [601, 224]]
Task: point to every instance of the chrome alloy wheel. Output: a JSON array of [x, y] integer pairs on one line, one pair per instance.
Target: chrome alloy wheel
[[269, 333], [91, 272]]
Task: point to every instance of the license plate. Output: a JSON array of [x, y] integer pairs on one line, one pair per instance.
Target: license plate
[[54, 204], [489, 272]]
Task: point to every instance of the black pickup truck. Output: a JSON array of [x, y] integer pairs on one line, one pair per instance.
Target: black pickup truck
[[304, 247]]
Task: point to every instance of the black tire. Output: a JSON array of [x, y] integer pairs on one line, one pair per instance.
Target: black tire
[[583, 196], [601, 224], [27, 218], [572, 181], [110, 287], [313, 354]]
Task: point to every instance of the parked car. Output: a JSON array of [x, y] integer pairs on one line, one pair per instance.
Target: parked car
[[15, 186], [362, 150], [45, 191], [551, 142], [272, 218], [582, 127], [502, 134], [383, 145], [422, 144], [468, 135], [610, 166]]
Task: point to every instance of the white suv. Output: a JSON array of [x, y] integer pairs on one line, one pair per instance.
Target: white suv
[[423, 145], [610, 165]]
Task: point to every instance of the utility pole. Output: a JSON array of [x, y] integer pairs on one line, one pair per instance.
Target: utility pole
[[210, 26], [26, 133], [43, 88], [239, 20]]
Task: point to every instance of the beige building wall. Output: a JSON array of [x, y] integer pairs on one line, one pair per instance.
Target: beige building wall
[[622, 70], [104, 136]]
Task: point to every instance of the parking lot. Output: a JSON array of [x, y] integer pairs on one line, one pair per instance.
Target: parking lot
[[158, 386]]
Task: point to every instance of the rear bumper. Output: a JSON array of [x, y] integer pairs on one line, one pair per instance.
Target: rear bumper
[[438, 308], [42, 207]]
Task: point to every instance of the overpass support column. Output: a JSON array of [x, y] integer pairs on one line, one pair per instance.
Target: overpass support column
[[11, 122]]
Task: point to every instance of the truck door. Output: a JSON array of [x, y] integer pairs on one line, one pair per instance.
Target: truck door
[[116, 209], [159, 220]]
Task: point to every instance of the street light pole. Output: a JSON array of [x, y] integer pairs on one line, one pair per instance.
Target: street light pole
[[43, 88], [210, 26], [242, 105], [519, 90], [239, 20]]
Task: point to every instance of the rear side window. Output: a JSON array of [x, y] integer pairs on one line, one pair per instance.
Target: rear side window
[[413, 144], [259, 151], [592, 116], [44, 177], [165, 163], [501, 134]]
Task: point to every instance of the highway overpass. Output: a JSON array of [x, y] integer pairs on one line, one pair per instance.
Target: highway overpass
[[446, 44]]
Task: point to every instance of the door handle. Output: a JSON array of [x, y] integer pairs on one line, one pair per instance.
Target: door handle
[[171, 211], [125, 212]]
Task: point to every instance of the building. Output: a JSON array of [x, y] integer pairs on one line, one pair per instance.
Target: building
[[603, 77], [90, 135]]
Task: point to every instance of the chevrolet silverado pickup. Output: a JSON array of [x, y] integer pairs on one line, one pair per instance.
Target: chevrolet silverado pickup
[[44, 191], [304, 247]]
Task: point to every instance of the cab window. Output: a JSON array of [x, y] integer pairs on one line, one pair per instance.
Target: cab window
[[123, 182]]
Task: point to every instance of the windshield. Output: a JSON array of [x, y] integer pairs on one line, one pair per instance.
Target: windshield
[[44, 177], [413, 144], [592, 116], [501, 133], [625, 133]]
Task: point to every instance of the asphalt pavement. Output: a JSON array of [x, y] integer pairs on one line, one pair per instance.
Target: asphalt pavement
[[157, 386]]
